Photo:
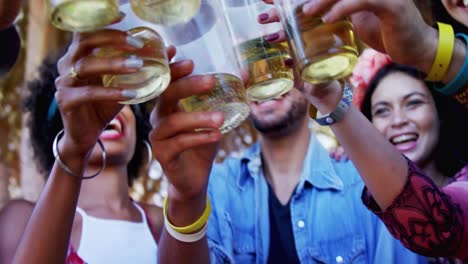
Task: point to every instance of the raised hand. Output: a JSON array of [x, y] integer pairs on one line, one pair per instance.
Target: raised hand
[[85, 105], [185, 151], [395, 27]]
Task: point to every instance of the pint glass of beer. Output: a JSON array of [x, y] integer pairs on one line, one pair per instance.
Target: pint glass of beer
[[262, 62], [82, 15], [205, 40], [322, 52], [153, 78], [165, 12]]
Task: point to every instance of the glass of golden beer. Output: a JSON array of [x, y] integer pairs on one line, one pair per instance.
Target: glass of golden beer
[[262, 63], [322, 52], [165, 12], [82, 15], [153, 78], [205, 40]]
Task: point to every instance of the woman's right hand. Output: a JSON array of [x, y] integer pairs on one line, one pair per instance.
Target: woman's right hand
[[86, 107]]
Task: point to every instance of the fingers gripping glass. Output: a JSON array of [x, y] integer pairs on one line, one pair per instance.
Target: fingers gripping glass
[[322, 51]]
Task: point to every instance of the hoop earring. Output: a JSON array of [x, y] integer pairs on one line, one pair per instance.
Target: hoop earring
[[150, 152]]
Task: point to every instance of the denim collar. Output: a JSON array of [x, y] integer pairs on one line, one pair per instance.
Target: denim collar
[[317, 171]]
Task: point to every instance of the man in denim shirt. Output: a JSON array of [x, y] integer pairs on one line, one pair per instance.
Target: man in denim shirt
[[284, 201]]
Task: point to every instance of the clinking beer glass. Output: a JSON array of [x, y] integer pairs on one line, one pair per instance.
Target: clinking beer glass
[[206, 41], [322, 52], [262, 62], [82, 15], [165, 12]]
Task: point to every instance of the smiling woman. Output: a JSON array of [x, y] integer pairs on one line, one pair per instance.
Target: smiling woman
[[78, 221], [430, 130], [422, 124]]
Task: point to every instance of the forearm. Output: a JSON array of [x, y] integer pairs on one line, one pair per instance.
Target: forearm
[[183, 213], [381, 166], [47, 234], [383, 169], [9, 9]]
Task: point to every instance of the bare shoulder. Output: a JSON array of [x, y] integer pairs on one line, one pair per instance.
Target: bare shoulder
[[155, 215], [13, 219], [15, 212]]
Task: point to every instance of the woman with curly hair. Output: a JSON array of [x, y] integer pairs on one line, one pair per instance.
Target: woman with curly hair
[[79, 130]]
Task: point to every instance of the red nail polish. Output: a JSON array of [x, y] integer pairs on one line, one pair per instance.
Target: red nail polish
[[271, 37], [263, 17]]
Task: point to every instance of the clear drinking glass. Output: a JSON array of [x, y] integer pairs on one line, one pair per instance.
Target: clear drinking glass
[[166, 12], [322, 51], [82, 15], [206, 41], [262, 62], [153, 78]]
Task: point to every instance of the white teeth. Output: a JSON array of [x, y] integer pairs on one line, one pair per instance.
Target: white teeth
[[465, 2], [115, 124], [403, 138]]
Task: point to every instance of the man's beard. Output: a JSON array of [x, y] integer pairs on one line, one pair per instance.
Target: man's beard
[[284, 124]]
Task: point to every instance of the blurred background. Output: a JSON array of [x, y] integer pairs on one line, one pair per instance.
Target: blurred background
[[18, 175]]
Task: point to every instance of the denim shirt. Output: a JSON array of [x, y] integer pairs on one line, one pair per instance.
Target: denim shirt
[[330, 223]]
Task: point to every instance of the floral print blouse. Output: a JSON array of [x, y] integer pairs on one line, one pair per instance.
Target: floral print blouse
[[428, 220]]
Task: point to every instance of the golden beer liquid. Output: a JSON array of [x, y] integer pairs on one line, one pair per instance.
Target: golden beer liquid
[[327, 51], [153, 78], [227, 96], [165, 12], [268, 76], [83, 15]]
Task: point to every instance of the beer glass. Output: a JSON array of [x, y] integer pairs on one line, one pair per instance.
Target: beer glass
[[262, 62], [149, 81], [206, 41], [82, 15], [166, 12], [322, 52]]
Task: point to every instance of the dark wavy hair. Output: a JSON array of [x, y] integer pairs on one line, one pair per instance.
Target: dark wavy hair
[[43, 129], [451, 152]]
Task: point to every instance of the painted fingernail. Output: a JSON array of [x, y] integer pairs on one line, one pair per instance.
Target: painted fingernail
[[217, 117], [308, 7], [263, 17], [134, 63], [208, 79], [271, 37], [135, 42], [326, 18], [129, 94], [289, 62]]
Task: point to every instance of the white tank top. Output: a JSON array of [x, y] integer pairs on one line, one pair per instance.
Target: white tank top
[[116, 241]]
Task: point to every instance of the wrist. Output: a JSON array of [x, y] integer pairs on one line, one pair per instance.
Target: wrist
[[430, 45], [327, 97], [183, 210], [458, 59]]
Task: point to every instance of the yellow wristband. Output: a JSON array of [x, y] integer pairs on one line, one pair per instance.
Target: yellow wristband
[[444, 53], [192, 227]]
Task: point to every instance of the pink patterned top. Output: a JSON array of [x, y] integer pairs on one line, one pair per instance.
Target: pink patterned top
[[426, 219]]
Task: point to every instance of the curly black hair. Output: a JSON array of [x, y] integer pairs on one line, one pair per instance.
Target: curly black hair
[[451, 153], [43, 127]]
